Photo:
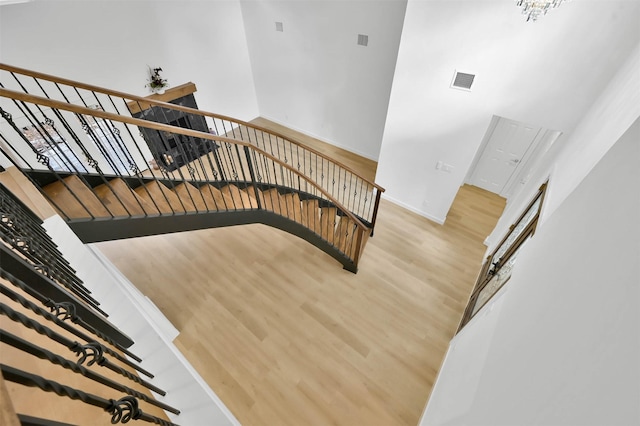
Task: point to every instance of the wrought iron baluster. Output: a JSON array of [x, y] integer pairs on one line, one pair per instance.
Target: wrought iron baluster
[[61, 322], [43, 353], [76, 319], [122, 410], [91, 351], [242, 170], [40, 158], [16, 229], [70, 165], [251, 164]]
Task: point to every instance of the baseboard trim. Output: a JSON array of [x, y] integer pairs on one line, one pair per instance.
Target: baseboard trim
[[439, 221]]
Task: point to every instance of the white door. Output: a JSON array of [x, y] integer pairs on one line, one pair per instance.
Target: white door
[[503, 155]]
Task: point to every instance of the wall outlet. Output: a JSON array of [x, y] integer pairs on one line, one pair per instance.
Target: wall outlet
[[447, 168]]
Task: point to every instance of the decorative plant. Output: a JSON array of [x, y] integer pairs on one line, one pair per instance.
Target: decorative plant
[[156, 82]]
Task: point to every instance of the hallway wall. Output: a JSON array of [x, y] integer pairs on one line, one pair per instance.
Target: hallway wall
[[314, 77], [561, 344]]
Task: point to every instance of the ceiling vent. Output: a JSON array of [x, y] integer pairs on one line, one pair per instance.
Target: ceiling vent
[[363, 40], [279, 27], [462, 81]]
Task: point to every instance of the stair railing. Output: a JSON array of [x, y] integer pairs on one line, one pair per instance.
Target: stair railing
[[253, 178], [33, 303], [352, 190]]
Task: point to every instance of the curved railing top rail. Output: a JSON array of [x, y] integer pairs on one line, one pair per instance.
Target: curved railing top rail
[[60, 80], [168, 128]]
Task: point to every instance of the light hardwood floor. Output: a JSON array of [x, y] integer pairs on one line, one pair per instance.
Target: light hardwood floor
[[286, 337]]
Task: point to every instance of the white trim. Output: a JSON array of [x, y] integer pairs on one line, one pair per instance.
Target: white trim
[[150, 311], [485, 140]]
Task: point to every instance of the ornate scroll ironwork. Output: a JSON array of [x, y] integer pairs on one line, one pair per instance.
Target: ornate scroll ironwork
[[43, 313], [43, 353], [91, 349], [122, 410]]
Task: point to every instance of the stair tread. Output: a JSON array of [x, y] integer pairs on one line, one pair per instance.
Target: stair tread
[[221, 201], [272, 200], [193, 199], [294, 208], [157, 194], [63, 197], [251, 196], [328, 220], [240, 198], [118, 197], [311, 209], [345, 239]]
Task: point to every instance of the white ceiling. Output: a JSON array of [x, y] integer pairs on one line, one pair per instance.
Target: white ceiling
[[546, 73]]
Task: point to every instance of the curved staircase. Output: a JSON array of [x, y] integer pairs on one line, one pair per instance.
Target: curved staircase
[[97, 168]]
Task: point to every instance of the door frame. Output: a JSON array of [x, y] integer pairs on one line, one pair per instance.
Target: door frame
[[507, 191]]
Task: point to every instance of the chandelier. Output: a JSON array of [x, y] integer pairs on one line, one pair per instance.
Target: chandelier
[[534, 8]]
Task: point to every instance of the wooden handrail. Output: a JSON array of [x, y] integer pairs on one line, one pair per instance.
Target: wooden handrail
[[11, 94], [150, 101]]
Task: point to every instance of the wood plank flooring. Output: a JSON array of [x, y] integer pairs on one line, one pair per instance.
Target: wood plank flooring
[[285, 337]]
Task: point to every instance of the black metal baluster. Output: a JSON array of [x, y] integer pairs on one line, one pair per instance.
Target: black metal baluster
[[69, 164], [43, 353], [91, 352], [252, 173], [115, 133], [69, 314], [122, 410], [360, 212], [43, 159], [38, 246], [75, 318]]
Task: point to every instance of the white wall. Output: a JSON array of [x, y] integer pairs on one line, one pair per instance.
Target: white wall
[[561, 346], [571, 158], [546, 74], [111, 44], [314, 77]]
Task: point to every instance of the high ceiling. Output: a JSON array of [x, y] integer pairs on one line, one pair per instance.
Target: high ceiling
[[546, 73]]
